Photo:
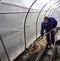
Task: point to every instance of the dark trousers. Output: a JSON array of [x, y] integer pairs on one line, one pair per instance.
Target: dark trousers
[[50, 38]]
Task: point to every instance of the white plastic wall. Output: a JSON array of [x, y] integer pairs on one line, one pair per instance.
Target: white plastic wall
[[12, 16]]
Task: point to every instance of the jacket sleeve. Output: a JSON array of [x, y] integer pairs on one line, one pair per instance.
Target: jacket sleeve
[[54, 23], [42, 29]]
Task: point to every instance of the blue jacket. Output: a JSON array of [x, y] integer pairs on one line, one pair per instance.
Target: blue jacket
[[48, 26]]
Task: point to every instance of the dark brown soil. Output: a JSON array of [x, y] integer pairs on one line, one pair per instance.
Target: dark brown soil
[[32, 51]]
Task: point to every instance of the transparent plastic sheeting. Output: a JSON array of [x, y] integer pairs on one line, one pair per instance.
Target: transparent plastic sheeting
[[14, 42], [31, 28], [12, 30], [12, 25]]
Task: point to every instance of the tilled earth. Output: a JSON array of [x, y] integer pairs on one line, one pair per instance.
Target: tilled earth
[[32, 51]]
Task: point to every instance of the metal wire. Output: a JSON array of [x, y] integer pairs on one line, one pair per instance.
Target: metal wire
[[4, 48], [15, 12], [16, 5]]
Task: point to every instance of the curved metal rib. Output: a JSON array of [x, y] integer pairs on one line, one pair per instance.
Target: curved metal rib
[[54, 10], [50, 7], [51, 10], [25, 22]]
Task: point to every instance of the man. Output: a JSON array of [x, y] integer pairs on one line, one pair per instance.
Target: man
[[48, 24]]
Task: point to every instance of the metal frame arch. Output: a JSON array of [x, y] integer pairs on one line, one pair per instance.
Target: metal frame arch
[[50, 7], [25, 22], [55, 9], [51, 10], [39, 15], [6, 3], [11, 4]]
